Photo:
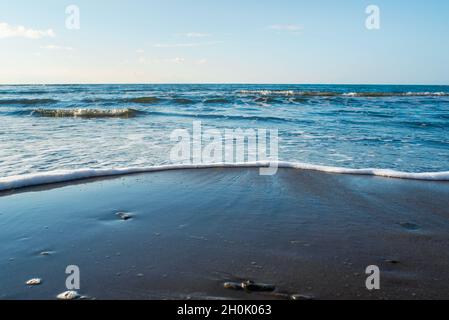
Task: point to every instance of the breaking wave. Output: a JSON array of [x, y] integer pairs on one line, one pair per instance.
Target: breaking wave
[[60, 176], [27, 101], [344, 94], [224, 117], [86, 113], [145, 100]]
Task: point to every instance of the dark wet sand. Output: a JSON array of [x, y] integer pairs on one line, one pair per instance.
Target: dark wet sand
[[305, 232]]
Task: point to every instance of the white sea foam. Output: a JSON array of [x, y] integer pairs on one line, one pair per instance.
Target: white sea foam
[[269, 92], [85, 113], [346, 94], [36, 179]]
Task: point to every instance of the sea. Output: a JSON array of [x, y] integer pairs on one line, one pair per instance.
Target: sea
[[65, 128]]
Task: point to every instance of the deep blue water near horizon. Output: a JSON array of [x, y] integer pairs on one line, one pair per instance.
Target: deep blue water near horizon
[[355, 126]]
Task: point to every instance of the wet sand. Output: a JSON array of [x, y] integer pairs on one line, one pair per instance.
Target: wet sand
[[185, 233]]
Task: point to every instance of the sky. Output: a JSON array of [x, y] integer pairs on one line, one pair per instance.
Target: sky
[[224, 41]]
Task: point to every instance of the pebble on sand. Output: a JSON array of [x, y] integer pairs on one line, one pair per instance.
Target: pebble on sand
[[253, 286], [123, 215], [249, 286], [301, 297], [409, 226], [392, 261], [68, 295], [34, 282], [233, 285]]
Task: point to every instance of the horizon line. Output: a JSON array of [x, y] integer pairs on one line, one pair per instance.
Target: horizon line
[[221, 83]]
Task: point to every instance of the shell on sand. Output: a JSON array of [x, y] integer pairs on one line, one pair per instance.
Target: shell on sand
[[34, 282], [68, 295]]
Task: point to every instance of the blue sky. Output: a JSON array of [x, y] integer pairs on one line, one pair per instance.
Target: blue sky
[[218, 41]]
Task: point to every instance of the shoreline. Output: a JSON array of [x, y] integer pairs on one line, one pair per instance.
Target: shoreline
[[190, 231], [66, 176]]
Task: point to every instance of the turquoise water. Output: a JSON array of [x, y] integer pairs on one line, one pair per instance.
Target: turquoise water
[[403, 128]]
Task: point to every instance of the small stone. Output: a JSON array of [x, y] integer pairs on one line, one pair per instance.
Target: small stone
[[68, 295], [34, 282], [252, 286], [249, 286], [123, 215], [392, 261], [409, 226], [301, 297], [233, 285]]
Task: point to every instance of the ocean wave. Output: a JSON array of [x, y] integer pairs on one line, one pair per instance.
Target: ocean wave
[[129, 113], [216, 100], [225, 117], [184, 101], [144, 100], [290, 93], [86, 113], [396, 94], [27, 101], [61, 176], [154, 100], [267, 100], [29, 92]]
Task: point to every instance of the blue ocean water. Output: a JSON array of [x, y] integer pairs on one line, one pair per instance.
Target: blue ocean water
[[48, 127]]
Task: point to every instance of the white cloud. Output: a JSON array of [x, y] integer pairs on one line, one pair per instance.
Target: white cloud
[[286, 27], [177, 60], [55, 47], [140, 51], [8, 31]]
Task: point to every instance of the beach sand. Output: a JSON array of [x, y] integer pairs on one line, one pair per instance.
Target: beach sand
[[190, 231]]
